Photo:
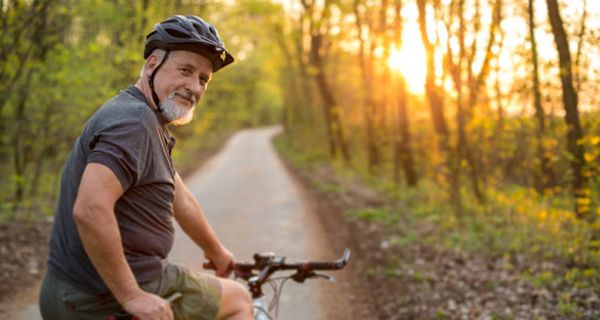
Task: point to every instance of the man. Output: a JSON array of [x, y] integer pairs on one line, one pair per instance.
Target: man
[[120, 193]]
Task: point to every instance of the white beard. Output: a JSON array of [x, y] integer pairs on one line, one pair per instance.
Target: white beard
[[175, 113]]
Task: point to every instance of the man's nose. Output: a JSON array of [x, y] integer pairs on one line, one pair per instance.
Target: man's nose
[[196, 87]]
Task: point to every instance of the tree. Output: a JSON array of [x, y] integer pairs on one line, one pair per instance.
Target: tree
[[570, 103], [544, 175], [436, 104], [318, 28], [403, 149], [35, 29], [368, 77]]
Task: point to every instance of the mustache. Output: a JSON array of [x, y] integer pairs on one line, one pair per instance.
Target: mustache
[[186, 95]]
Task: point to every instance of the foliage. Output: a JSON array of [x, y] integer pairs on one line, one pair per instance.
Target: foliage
[[380, 215], [514, 221], [490, 179], [56, 71]]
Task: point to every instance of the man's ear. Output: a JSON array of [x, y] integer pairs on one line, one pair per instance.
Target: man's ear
[[150, 64]]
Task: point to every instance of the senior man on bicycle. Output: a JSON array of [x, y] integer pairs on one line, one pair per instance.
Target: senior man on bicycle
[[120, 194]]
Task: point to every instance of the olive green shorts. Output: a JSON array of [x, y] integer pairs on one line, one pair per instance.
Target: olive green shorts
[[201, 294]]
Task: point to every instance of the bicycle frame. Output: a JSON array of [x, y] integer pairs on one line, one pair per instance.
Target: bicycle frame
[[261, 309]]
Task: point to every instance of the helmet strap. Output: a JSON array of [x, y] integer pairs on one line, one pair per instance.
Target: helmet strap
[[151, 82]]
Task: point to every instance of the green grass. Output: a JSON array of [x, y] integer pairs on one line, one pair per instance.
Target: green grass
[[441, 315], [380, 215], [513, 220], [329, 187], [568, 308]]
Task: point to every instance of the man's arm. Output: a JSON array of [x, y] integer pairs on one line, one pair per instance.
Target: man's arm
[[190, 217], [94, 216]]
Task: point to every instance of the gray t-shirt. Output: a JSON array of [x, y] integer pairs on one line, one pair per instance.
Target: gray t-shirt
[[131, 139]]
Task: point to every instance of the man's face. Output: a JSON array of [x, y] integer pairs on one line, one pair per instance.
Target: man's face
[[180, 84]]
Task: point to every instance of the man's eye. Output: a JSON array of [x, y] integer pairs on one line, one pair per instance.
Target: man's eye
[[185, 71]]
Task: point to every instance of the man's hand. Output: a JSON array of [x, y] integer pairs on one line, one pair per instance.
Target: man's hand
[[148, 306], [223, 260]]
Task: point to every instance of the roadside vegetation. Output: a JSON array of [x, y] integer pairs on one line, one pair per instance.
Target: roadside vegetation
[[470, 129], [550, 256], [482, 138]]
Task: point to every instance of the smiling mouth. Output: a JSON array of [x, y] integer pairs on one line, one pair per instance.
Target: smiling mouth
[[188, 98]]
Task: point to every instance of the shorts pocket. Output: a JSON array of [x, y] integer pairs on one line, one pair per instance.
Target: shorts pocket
[[83, 302]]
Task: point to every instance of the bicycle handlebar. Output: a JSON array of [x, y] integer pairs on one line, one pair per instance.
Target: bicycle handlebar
[[274, 263], [267, 264]]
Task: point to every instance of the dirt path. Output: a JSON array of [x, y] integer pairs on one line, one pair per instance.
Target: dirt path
[[255, 206]]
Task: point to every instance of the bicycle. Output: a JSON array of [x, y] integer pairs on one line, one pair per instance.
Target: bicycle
[[259, 273]]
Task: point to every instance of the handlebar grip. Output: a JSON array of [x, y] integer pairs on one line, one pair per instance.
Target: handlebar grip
[[328, 265], [320, 266]]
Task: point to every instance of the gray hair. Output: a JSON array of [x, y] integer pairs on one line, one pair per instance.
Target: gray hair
[[159, 53]]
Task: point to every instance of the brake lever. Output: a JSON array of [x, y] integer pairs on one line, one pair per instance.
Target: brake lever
[[302, 276], [324, 276]]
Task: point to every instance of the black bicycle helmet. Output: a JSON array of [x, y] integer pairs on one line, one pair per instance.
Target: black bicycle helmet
[[189, 33]]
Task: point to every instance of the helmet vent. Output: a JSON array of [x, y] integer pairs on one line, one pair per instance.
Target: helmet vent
[[177, 34]]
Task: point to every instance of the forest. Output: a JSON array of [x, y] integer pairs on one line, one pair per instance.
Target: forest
[[478, 117]]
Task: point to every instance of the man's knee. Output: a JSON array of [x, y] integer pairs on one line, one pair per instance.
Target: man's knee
[[235, 299]]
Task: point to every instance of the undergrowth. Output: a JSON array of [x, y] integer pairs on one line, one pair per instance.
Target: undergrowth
[[513, 221]]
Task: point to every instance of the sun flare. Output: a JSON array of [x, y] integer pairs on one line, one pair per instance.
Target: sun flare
[[410, 61]]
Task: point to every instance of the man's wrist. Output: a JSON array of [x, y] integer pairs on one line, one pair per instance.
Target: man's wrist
[[126, 294], [214, 251]]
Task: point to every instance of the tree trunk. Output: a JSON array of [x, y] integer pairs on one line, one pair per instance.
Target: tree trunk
[[447, 172], [463, 116], [39, 159], [291, 107], [574, 131], [337, 140], [324, 92], [383, 110], [434, 97], [403, 147], [144, 21], [369, 103], [19, 151], [306, 95], [332, 114], [475, 84], [36, 49], [544, 175], [581, 36], [499, 129]]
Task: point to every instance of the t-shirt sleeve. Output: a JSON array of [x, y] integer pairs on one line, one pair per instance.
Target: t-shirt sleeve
[[123, 148]]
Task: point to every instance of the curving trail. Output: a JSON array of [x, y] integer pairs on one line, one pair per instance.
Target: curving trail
[[254, 205]]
